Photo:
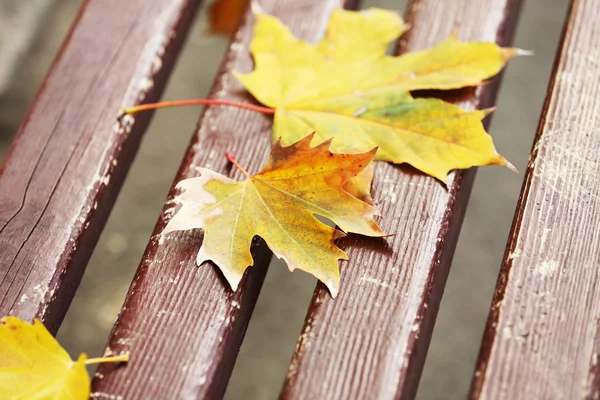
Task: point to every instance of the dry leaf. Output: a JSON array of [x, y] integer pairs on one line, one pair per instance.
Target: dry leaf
[[279, 204], [34, 366], [225, 15], [347, 88], [360, 185]]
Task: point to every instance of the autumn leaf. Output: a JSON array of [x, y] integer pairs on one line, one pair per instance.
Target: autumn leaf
[[224, 15], [346, 87], [34, 366], [279, 204], [360, 185]]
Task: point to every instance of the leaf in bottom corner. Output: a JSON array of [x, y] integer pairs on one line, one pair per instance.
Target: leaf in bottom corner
[[34, 366], [279, 204]]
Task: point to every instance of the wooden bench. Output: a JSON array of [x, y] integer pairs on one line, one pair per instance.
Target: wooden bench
[[182, 324]]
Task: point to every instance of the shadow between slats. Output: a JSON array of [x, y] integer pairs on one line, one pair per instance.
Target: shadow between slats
[[541, 340], [372, 340], [66, 165]]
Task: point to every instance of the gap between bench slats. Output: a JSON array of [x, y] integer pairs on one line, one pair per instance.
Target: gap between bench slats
[[181, 323], [541, 340], [371, 342], [65, 167]]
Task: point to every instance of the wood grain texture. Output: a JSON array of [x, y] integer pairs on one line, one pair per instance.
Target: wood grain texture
[[542, 340], [182, 324], [64, 169], [371, 341]]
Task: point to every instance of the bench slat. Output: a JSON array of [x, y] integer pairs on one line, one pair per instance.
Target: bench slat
[[371, 341], [181, 323], [541, 339], [64, 169]]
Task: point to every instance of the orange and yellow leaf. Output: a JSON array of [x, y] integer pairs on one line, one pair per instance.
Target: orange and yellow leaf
[[279, 204]]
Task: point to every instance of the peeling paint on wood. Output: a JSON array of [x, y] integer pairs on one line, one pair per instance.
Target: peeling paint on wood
[[543, 342], [69, 158], [375, 335], [193, 329]]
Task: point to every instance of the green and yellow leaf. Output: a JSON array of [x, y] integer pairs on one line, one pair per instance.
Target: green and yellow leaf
[[347, 88]]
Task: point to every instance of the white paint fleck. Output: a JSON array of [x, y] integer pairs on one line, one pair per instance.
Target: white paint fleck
[[102, 395], [545, 237], [508, 332], [547, 268], [38, 289], [146, 84], [374, 281], [405, 362], [156, 65], [515, 254], [393, 197], [23, 298]]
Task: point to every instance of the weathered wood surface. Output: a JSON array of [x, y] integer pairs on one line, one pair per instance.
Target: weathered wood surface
[[371, 342], [541, 340], [64, 169], [181, 323]]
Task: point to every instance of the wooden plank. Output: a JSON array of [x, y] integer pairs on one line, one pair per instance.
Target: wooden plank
[[64, 169], [541, 340], [371, 341], [181, 323]]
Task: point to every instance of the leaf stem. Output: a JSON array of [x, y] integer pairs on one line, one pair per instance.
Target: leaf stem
[[100, 360], [196, 102], [231, 158]]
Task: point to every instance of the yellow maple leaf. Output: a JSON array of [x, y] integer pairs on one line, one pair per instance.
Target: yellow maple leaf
[[34, 366], [279, 204], [346, 87]]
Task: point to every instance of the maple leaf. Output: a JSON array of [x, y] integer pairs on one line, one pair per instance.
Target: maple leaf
[[360, 185], [224, 16], [34, 366], [279, 204], [346, 87]]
